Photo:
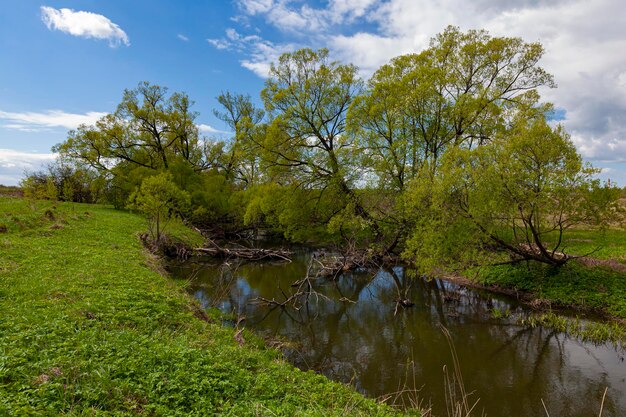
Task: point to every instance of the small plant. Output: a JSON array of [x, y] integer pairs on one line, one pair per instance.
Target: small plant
[[589, 332], [497, 314], [159, 199]]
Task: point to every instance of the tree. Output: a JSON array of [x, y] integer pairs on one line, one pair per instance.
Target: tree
[[241, 159], [519, 194], [148, 129], [306, 145], [386, 129], [308, 98], [160, 200], [461, 91]]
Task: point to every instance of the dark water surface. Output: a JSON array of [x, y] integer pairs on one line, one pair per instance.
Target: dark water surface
[[355, 332]]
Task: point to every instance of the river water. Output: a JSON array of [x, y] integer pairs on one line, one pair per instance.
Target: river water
[[353, 330]]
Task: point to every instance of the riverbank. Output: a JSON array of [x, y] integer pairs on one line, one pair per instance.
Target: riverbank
[[597, 289], [88, 326], [594, 286]]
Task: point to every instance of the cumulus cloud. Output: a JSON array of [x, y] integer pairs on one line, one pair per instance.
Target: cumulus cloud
[[301, 19], [207, 129], [34, 122], [260, 53], [263, 54], [84, 24], [13, 164]]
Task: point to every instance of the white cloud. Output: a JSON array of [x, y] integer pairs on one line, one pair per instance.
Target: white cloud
[[369, 51], [33, 121], [13, 164], [204, 128], [296, 18], [253, 7], [351, 9], [261, 53], [182, 38], [220, 43], [84, 25]]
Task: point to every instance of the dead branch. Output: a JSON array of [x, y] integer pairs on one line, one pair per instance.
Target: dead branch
[[328, 265], [303, 292], [250, 254]]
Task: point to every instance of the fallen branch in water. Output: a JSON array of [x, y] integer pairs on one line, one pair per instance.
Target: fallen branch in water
[[327, 265], [251, 254], [303, 292]]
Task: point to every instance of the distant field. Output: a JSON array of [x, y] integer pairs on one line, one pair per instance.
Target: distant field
[[10, 191], [600, 244]]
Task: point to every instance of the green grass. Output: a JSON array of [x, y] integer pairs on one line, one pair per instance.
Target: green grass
[[600, 244], [87, 327], [599, 288], [594, 332], [586, 284]]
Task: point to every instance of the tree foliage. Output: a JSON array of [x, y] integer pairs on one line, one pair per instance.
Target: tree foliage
[[149, 129], [458, 92], [65, 181], [160, 200], [242, 157], [519, 194], [308, 97]]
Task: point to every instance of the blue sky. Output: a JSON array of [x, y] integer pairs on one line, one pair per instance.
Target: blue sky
[[60, 67]]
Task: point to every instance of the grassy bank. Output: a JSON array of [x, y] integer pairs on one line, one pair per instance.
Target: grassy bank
[[597, 283], [87, 327]]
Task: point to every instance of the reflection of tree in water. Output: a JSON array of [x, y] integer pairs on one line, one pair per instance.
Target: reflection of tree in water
[[365, 341]]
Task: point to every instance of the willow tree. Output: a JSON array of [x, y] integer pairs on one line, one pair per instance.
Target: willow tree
[[307, 97], [242, 157], [519, 194], [149, 129], [461, 91]]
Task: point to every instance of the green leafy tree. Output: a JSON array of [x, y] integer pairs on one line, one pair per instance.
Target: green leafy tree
[[461, 91], [149, 129], [306, 144], [242, 157], [160, 200], [518, 194], [308, 97]]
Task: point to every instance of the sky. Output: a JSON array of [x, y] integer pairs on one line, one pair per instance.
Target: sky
[[63, 63]]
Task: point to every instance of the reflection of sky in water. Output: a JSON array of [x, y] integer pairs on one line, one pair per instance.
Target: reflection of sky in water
[[243, 288], [379, 347]]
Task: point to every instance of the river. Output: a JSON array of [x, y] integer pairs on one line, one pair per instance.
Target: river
[[353, 330]]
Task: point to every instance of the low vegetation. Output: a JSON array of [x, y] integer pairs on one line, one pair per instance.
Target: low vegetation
[[588, 331], [597, 288], [88, 327]]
